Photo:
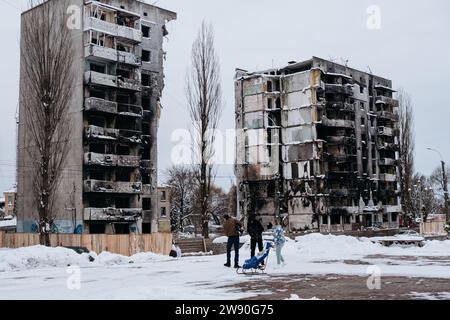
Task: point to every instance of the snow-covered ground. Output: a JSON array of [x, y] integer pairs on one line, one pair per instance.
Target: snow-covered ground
[[42, 273]]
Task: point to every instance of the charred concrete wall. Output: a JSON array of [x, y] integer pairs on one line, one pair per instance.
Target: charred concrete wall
[[327, 150]]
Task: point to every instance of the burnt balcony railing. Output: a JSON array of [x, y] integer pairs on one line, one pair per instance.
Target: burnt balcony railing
[[338, 123], [339, 157], [338, 140], [111, 160], [388, 193], [103, 79], [388, 146], [387, 162], [112, 187], [387, 101], [130, 136], [387, 115], [101, 105], [112, 214], [129, 110], [113, 29], [385, 131], [342, 192], [341, 106], [387, 177], [345, 89], [98, 78], [127, 83], [94, 132], [111, 54], [341, 175]]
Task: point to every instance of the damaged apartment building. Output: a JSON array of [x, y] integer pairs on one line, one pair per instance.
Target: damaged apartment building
[[317, 144], [109, 183]]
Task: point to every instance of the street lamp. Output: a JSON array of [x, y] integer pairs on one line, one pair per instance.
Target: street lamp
[[444, 182]]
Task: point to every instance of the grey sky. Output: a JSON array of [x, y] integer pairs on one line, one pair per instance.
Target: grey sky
[[411, 48]]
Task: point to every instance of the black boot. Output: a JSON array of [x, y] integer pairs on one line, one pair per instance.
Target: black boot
[[227, 264], [237, 266]]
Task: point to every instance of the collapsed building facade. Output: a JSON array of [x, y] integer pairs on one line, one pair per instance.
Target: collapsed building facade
[[317, 144], [109, 182]]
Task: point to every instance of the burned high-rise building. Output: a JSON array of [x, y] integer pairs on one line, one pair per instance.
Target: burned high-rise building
[[317, 145], [109, 181]]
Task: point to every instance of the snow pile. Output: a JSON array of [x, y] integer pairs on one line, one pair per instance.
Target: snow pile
[[319, 246], [296, 297], [40, 257]]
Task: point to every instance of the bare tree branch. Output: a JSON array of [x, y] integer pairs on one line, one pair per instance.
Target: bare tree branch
[[406, 127], [204, 96], [48, 82]]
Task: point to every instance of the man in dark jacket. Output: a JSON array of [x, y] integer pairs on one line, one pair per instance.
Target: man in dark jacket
[[232, 229], [255, 230]]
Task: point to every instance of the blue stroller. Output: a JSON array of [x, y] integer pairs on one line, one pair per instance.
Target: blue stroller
[[256, 265]]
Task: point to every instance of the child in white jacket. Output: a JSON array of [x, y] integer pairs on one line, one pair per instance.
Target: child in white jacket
[[279, 240]]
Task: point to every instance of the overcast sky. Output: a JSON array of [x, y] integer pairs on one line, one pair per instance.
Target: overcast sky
[[411, 47]]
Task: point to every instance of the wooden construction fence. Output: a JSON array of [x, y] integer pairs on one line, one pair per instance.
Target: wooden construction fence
[[126, 245]]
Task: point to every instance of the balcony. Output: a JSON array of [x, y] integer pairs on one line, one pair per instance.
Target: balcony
[[98, 78], [338, 140], [341, 106], [387, 177], [94, 132], [129, 84], [387, 162], [104, 79], [387, 115], [112, 187], [388, 146], [341, 175], [127, 33], [339, 157], [338, 123], [111, 160], [100, 105], [339, 89], [111, 54], [386, 193], [342, 192], [129, 110], [112, 214], [130, 136], [387, 101], [385, 131]]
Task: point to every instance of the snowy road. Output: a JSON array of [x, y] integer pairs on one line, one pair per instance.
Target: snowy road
[[42, 273]]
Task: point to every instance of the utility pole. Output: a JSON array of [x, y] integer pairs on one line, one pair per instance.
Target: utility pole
[[444, 184]]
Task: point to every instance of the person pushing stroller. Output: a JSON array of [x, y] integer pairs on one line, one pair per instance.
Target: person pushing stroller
[[255, 230]]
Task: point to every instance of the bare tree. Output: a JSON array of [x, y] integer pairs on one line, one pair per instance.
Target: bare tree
[[423, 196], [204, 96], [219, 204], [406, 127], [180, 179], [47, 61], [437, 180]]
